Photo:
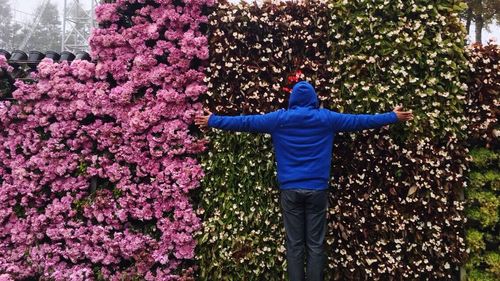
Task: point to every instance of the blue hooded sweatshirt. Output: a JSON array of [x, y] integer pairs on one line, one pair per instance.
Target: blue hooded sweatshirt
[[303, 135]]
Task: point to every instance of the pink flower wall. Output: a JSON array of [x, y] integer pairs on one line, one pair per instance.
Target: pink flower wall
[[4, 64], [97, 159]]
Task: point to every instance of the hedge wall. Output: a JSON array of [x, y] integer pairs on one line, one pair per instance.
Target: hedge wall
[[483, 193], [396, 212]]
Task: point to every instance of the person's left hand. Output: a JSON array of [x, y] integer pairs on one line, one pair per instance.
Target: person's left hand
[[202, 120]]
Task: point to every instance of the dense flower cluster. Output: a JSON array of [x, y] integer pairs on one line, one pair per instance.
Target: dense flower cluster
[[483, 94], [97, 159], [395, 208], [4, 65]]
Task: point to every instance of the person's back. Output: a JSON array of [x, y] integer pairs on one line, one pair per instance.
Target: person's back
[[303, 138], [302, 135], [303, 142]]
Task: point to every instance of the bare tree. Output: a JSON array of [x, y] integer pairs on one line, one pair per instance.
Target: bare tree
[[10, 31], [483, 13], [47, 34]]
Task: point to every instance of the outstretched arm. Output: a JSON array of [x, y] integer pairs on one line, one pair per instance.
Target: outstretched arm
[[345, 122], [264, 123]]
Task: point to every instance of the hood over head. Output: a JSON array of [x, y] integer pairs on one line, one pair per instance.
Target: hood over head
[[303, 95]]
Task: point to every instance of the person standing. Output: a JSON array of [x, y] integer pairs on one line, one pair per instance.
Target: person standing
[[302, 137]]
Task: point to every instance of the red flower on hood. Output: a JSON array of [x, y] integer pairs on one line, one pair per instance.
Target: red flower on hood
[[295, 77], [292, 79]]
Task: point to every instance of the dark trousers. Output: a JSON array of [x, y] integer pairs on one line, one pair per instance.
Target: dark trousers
[[304, 217]]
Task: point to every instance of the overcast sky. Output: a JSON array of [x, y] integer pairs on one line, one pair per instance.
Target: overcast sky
[[28, 6]]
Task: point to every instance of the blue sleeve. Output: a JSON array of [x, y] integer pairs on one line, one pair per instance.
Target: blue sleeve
[[260, 123], [345, 122]]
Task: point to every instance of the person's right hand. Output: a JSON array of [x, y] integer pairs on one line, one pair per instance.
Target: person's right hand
[[202, 120], [403, 115]]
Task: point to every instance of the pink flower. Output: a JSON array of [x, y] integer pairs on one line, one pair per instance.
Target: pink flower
[[4, 64], [107, 12]]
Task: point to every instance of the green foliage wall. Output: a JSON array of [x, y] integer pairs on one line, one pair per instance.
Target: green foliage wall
[[408, 52], [243, 236], [395, 207]]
